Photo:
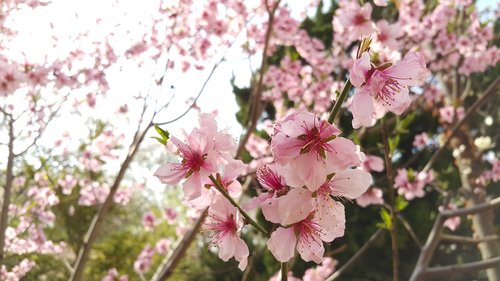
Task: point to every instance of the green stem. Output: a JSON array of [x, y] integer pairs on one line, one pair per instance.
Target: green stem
[[223, 191], [284, 271], [339, 101]]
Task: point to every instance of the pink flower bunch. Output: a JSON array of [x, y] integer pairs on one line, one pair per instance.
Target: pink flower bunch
[[224, 224], [312, 164], [451, 223], [17, 272], [144, 260], [373, 196], [113, 276], [410, 184], [492, 175], [420, 141], [447, 114], [385, 87], [207, 152], [204, 152]]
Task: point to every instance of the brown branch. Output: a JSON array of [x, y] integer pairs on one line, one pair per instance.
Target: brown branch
[[489, 91], [255, 104], [455, 269], [465, 239], [435, 235], [98, 219], [412, 233], [7, 191], [180, 249], [393, 211], [356, 256]]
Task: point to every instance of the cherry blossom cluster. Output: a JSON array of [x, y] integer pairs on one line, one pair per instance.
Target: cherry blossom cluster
[[312, 165], [411, 184], [318, 273]]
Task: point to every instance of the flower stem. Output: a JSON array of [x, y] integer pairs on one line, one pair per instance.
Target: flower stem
[[339, 101], [223, 191], [284, 271], [393, 210]]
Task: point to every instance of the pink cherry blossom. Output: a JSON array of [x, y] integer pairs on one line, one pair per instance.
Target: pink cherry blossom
[[356, 20], [224, 223], [447, 113], [373, 196], [384, 88], [373, 163], [451, 223], [306, 236], [143, 262], [202, 151], [321, 272], [420, 141], [163, 246], [412, 185], [307, 150], [275, 186], [149, 221]]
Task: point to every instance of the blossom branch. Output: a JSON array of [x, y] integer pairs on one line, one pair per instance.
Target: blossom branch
[[255, 103], [456, 269], [435, 235], [489, 91], [164, 272], [98, 219], [234, 203], [358, 255], [393, 211], [7, 191], [465, 239]]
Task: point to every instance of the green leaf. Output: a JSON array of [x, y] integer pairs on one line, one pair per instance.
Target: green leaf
[[162, 141], [164, 134], [401, 203], [386, 220], [393, 143]]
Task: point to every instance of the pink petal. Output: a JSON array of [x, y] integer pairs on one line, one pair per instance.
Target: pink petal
[[171, 173], [311, 248], [344, 155], [295, 206], [282, 244], [350, 183], [241, 252], [362, 109], [360, 69]]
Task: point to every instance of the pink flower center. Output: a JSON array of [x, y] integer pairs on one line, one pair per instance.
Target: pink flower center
[[358, 19], [313, 140], [220, 227], [270, 179], [192, 161], [308, 231]]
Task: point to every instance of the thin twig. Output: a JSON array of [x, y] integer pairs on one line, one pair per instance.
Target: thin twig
[[408, 227], [255, 103], [356, 256], [465, 239], [452, 270], [392, 210], [489, 91]]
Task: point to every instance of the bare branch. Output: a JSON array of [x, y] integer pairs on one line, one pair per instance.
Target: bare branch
[[465, 239], [255, 104], [7, 192], [392, 210], [456, 269], [97, 221], [489, 91], [180, 250], [358, 255]]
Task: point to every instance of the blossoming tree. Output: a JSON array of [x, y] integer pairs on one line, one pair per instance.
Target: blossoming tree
[[368, 127]]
